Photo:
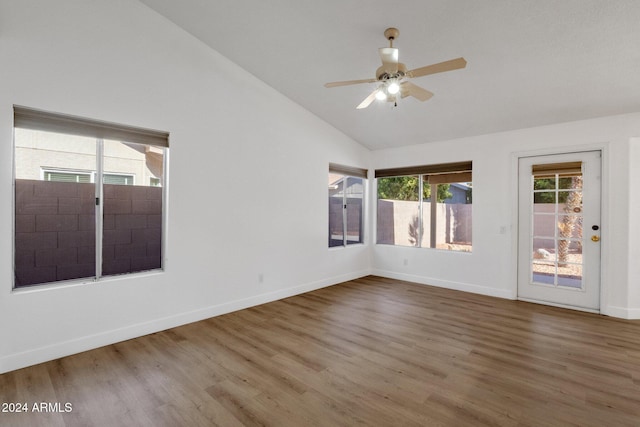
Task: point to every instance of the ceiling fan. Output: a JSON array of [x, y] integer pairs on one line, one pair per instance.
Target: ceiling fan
[[393, 76]]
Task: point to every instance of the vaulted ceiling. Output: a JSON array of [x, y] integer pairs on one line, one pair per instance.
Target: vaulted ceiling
[[530, 63]]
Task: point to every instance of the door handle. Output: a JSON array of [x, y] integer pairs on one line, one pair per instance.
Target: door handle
[[595, 238]]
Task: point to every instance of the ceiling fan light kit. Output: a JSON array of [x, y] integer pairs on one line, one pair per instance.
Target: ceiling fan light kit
[[393, 77]]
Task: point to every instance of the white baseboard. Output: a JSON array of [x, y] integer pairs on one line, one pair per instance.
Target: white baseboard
[[458, 286], [612, 311], [43, 354], [622, 312]]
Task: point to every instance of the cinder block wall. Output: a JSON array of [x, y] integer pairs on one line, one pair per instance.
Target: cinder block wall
[[395, 218], [354, 219], [55, 230]]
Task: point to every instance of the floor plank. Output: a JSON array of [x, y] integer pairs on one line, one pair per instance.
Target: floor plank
[[369, 352]]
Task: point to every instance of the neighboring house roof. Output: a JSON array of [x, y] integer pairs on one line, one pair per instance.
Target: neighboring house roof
[[334, 179], [461, 185]]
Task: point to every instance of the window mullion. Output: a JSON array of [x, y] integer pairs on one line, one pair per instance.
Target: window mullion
[[344, 211], [434, 215], [99, 205], [420, 225], [164, 180]]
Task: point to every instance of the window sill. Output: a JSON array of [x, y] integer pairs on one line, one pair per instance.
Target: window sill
[[354, 245], [42, 287]]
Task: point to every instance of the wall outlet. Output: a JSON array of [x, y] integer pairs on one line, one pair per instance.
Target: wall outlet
[[405, 262], [260, 278]]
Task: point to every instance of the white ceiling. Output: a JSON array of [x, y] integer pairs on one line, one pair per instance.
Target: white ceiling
[[530, 63]]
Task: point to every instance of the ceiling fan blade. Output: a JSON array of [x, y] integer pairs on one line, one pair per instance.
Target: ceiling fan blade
[[368, 100], [409, 89], [349, 82], [453, 64], [389, 57]]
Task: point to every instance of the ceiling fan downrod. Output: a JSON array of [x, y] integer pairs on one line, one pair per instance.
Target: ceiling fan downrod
[[391, 34]]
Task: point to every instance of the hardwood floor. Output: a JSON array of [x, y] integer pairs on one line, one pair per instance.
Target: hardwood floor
[[370, 352]]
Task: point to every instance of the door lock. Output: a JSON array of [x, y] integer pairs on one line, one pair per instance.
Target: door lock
[[595, 238]]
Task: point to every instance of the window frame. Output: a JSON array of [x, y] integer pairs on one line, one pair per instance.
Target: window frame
[[348, 172], [433, 175], [29, 118]]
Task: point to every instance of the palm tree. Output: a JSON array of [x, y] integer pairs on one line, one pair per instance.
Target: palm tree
[[569, 221]]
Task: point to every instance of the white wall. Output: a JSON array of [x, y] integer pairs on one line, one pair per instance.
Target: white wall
[[234, 142], [491, 268], [633, 230]]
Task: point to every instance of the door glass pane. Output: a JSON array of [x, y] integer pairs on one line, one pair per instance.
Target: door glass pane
[[544, 183], [55, 207], [544, 225], [336, 203], [570, 276], [566, 182], [570, 226], [544, 201], [132, 208], [557, 231], [544, 272]]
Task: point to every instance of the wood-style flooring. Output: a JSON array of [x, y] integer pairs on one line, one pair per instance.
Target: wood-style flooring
[[369, 352]]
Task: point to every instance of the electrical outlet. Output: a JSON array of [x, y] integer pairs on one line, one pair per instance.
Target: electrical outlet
[[260, 278], [405, 262]]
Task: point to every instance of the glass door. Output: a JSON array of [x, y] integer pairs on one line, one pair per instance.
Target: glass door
[[559, 229]]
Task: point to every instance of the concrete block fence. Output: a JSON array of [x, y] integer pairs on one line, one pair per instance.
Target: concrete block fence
[[55, 235], [397, 223]]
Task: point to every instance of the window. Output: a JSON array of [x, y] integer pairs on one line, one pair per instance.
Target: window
[[426, 206], [117, 179], [346, 207], [59, 176], [88, 176], [82, 209]]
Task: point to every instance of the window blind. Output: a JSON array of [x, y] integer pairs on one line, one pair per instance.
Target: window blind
[[549, 170], [29, 118], [439, 169], [347, 170]]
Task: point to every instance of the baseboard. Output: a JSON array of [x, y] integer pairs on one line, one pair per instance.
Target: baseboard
[[458, 286], [622, 312], [43, 354]]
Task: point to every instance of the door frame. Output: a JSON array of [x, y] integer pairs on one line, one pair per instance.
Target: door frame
[[604, 216]]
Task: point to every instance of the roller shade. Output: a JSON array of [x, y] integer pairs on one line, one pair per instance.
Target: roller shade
[[347, 170], [449, 178], [440, 169], [549, 170], [29, 118]]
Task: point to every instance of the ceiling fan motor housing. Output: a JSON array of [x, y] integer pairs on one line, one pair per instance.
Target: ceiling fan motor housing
[[382, 74]]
